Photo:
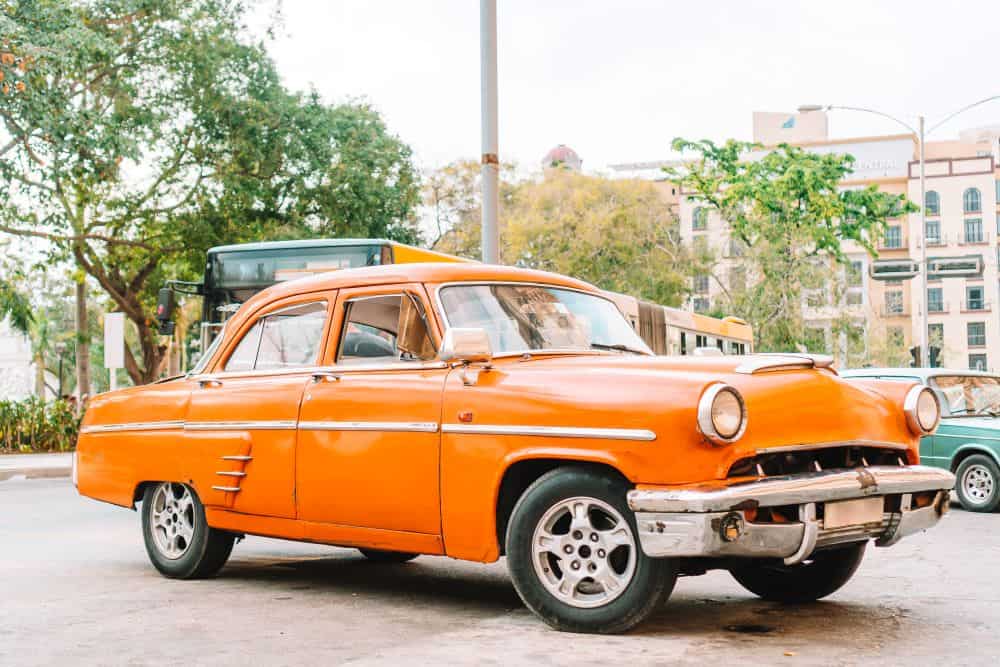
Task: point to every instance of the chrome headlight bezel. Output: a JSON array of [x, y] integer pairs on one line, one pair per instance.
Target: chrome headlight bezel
[[911, 407], [706, 405]]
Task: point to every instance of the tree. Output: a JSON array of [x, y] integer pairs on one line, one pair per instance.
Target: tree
[[618, 234], [16, 306], [145, 131], [790, 218]]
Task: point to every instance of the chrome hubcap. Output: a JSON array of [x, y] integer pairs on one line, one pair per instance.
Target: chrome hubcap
[[584, 552], [172, 519], [978, 484]]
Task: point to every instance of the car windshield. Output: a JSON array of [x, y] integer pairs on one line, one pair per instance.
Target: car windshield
[[524, 318], [968, 395]]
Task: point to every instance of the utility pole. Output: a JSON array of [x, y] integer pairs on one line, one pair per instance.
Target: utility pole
[[925, 359], [490, 144]]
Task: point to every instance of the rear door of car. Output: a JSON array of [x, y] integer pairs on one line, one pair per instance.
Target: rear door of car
[[241, 421]]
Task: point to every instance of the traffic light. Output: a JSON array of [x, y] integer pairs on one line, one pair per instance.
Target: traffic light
[[165, 311], [934, 353], [915, 353]]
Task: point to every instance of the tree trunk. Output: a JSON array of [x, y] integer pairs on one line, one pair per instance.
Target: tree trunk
[[82, 342]]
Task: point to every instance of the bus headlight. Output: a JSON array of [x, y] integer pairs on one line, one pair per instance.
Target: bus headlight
[[923, 412], [722, 414]]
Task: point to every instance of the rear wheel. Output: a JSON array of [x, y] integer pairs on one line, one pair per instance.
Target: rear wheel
[[824, 573], [978, 485], [380, 556], [574, 556], [179, 541]]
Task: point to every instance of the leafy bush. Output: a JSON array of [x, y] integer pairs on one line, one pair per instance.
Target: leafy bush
[[32, 425]]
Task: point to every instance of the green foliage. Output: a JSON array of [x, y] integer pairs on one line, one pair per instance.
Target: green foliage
[[32, 425], [16, 306], [150, 130], [618, 234], [792, 218]]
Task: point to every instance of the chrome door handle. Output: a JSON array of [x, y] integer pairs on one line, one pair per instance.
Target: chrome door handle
[[325, 376], [209, 382]]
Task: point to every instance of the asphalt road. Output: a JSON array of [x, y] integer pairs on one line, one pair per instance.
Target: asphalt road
[[76, 588]]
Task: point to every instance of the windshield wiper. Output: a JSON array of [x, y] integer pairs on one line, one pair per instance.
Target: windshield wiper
[[617, 347]]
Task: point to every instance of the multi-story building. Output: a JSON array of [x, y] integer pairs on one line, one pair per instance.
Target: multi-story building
[[963, 246]]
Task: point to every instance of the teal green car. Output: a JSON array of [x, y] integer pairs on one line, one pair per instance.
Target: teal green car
[[967, 442]]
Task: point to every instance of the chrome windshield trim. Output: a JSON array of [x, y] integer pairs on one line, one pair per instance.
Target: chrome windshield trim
[[410, 427], [829, 445], [552, 431], [518, 353], [276, 425], [170, 425]]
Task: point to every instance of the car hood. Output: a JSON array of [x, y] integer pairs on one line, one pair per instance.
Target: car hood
[[967, 424]]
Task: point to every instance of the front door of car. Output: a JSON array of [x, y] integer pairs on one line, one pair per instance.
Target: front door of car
[[242, 419], [369, 438]]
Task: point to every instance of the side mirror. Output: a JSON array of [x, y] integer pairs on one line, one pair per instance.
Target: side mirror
[[466, 345]]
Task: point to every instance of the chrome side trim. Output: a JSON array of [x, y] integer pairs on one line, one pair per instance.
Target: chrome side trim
[[227, 489], [413, 427], [228, 473], [279, 425], [552, 431], [236, 458], [133, 426], [830, 445]]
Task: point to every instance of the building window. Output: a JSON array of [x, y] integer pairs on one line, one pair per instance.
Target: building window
[[815, 339], [998, 191], [700, 304], [893, 237], [935, 334], [974, 298], [856, 273], [701, 244], [736, 247], [933, 232], [894, 302], [700, 218], [701, 284], [973, 230], [972, 201], [976, 334], [932, 203], [935, 300], [854, 297], [977, 362]]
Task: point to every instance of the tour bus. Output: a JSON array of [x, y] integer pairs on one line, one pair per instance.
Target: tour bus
[[672, 331], [234, 273]]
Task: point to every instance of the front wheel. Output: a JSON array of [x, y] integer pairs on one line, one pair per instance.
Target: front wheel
[[574, 556], [825, 572], [179, 541], [978, 485]]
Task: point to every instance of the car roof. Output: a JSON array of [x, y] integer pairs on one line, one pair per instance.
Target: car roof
[[921, 373]]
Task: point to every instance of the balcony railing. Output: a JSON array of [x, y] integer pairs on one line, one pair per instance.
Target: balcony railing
[[976, 306], [937, 307]]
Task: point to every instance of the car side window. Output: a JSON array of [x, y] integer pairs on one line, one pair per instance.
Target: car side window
[[384, 329], [288, 338]]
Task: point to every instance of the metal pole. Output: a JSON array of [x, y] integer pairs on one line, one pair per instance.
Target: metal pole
[[925, 360], [490, 159]]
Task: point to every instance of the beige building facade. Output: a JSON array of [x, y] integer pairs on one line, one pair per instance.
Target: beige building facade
[[963, 248]]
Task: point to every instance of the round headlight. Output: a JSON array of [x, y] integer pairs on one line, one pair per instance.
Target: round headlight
[[923, 412], [722, 414]]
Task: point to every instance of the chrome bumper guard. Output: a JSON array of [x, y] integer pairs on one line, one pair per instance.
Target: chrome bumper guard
[[710, 520]]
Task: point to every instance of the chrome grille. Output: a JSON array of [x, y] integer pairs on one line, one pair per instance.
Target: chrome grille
[[793, 460]]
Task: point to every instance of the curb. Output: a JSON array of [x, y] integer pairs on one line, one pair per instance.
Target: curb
[[48, 472]]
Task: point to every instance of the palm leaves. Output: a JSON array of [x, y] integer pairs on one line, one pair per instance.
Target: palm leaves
[[15, 305]]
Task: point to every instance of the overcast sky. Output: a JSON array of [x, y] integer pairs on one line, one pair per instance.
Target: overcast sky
[[617, 80]]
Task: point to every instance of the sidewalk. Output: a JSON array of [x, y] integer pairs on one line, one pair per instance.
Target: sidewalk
[[33, 466]]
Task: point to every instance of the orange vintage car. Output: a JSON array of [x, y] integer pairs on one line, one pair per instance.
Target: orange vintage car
[[477, 411]]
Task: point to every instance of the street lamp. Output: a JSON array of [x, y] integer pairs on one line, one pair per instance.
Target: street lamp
[[60, 350], [807, 108]]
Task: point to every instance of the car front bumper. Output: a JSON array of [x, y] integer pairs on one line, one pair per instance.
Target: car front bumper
[[717, 519]]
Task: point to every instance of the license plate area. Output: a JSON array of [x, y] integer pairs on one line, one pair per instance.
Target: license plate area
[[852, 512]]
